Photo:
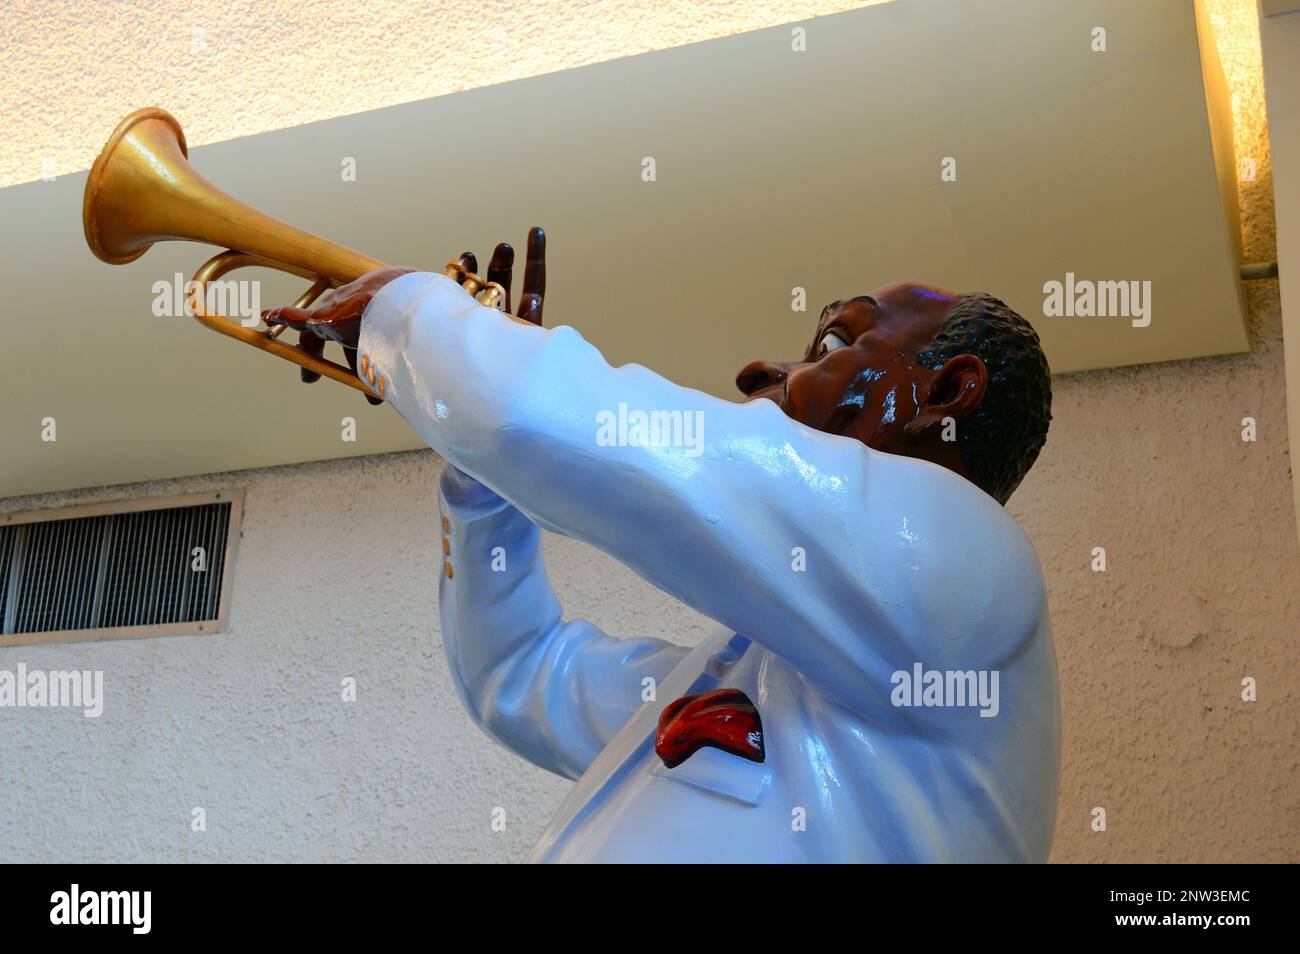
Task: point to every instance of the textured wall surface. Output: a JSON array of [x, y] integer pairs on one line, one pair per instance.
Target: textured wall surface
[[250, 725], [1200, 591], [337, 577], [231, 68]]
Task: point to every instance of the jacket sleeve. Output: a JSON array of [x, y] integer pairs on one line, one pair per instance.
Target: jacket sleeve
[[551, 690], [849, 563]]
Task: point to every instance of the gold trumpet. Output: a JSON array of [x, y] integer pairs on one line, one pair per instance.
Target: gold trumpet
[[142, 189]]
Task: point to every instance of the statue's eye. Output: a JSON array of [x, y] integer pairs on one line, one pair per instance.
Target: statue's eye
[[830, 341]]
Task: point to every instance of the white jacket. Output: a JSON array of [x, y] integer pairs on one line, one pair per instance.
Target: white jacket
[[831, 568]]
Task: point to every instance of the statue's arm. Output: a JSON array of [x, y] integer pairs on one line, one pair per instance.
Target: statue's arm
[[551, 690], [849, 563]]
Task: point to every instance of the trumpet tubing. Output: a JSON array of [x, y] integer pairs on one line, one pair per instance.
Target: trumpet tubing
[[142, 189]]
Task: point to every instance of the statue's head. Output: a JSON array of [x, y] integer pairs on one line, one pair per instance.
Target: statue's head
[[909, 369]]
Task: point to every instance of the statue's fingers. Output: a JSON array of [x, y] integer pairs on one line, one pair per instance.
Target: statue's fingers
[[340, 324], [530, 308], [292, 317], [501, 268], [313, 345], [534, 290]]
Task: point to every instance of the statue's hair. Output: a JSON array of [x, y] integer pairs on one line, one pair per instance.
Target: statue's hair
[[1000, 441]]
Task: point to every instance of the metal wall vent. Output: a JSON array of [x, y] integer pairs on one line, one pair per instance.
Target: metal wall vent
[[153, 567]]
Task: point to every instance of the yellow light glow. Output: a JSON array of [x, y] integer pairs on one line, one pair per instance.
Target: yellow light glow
[[1236, 35]]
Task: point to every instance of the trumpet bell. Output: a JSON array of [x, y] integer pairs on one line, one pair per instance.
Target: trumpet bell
[[142, 189], [146, 149]]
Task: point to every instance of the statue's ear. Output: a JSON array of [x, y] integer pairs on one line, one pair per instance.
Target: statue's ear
[[955, 391]]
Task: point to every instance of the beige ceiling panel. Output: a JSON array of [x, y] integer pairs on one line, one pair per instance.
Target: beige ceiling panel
[[775, 169]]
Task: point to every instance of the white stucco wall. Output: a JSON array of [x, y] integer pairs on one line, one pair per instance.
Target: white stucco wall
[[337, 566], [337, 575]]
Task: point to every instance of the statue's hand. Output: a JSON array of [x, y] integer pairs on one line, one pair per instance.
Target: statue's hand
[[336, 315], [501, 267]]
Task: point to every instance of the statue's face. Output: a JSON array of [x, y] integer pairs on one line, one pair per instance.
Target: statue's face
[[859, 376]]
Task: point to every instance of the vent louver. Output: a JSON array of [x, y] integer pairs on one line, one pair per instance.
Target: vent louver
[[95, 573]]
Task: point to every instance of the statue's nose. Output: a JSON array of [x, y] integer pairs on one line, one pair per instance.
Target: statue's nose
[[758, 375]]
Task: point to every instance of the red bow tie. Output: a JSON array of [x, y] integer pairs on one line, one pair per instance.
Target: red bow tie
[[722, 718]]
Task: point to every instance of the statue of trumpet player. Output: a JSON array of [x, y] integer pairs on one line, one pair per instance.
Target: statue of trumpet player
[[883, 684]]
